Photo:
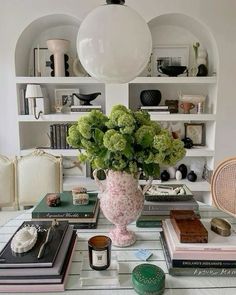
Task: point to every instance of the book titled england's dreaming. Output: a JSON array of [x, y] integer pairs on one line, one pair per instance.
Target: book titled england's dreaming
[[29, 259]]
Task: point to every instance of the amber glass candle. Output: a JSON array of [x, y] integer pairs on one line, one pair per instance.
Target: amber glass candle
[[99, 252]]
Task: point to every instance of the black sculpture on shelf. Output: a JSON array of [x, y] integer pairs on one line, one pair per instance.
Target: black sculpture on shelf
[[86, 98]]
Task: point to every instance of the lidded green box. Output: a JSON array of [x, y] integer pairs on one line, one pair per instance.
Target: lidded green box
[[148, 279]]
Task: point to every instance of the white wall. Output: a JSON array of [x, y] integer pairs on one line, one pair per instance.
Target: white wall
[[219, 16]]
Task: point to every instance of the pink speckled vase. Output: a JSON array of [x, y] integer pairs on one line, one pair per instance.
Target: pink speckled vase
[[121, 202]]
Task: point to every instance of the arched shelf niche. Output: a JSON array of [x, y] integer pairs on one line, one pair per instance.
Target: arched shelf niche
[[37, 33], [178, 29]]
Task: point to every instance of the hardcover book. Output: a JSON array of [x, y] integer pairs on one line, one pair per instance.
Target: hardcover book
[[215, 241], [49, 271], [38, 278], [194, 262], [42, 287], [210, 255], [29, 259], [66, 209], [195, 271], [175, 205]]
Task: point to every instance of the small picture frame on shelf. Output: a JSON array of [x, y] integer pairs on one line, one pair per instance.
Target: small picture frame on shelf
[[169, 55], [42, 62], [64, 98], [195, 131]]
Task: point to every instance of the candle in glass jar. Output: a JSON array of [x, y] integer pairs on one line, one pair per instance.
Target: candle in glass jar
[[99, 252]]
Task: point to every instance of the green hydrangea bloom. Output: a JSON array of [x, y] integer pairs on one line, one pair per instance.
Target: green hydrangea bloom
[[114, 141], [126, 122], [142, 117], [74, 138], [144, 136]]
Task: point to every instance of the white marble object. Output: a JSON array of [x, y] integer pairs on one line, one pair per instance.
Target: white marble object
[[178, 175], [24, 239]]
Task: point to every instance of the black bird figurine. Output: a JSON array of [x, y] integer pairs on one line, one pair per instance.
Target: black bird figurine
[[86, 98]]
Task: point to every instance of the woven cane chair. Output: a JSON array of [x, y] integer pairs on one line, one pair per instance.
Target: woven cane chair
[[223, 186]]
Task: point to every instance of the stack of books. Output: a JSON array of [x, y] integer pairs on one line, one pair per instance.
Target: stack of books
[[157, 208], [217, 257], [163, 110], [58, 134], [85, 108], [26, 272], [80, 216]]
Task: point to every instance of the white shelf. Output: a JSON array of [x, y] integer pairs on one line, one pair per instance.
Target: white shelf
[[56, 80], [200, 152], [70, 117], [55, 152], [198, 186], [174, 80], [182, 117]]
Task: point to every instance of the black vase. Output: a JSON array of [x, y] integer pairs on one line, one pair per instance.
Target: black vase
[[202, 71], [150, 97], [183, 169], [165, 176], [192, 176]]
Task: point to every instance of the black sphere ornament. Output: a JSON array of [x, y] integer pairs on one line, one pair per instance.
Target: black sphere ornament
[[188, 143], [165, 176], [183, 169], [192, 176], [202, 71]]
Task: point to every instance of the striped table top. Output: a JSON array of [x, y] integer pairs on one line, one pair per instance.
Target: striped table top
[[147, 238]]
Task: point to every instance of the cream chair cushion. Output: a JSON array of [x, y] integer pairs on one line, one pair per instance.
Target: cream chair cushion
[[7, 182], [38, 173]]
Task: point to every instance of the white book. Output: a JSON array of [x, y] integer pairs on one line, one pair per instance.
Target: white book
[[86, 107], [154, 107], [215, 241]]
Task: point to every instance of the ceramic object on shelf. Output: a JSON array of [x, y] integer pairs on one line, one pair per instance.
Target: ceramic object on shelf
[[178, 175], [58, 47], [171, 171], [184, 170], [173, 105], [86, 98], [202, 70], [172, 71], [151, 97], [121, 202], [192, 176], [188, 143], [165, 176], [187, 106]]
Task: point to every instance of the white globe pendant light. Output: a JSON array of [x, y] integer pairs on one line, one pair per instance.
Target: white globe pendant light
[[114, 43]]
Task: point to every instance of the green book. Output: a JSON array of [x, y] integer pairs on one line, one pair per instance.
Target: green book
[[66, 209]]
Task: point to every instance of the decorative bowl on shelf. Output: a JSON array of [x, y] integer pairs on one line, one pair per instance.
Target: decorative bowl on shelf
[[86, 98], [172, 71], [151, 97]]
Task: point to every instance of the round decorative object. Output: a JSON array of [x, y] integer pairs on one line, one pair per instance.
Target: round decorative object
[[116, 52], [148, 279], [78, 69], [178, 175], [121, 202], [192, 176], [165, 176], [24, 239], [150, 97], [85, 99], [184, 170], [188, 143]]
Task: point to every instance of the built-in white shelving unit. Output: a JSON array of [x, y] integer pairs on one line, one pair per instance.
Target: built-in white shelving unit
[[34, 133]]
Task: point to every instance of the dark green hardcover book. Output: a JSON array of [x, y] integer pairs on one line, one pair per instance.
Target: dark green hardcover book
[[194, 271], [66, 209], [148, 223]]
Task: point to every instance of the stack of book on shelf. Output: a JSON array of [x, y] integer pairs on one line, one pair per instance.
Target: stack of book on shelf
[[163, 110], [161, 199], [33, 272], [210, 255], [80, 216], [84, 108], [58, 134]]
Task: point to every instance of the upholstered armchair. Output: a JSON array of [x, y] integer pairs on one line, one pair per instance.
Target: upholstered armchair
[[7, 182], [38, 173]]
